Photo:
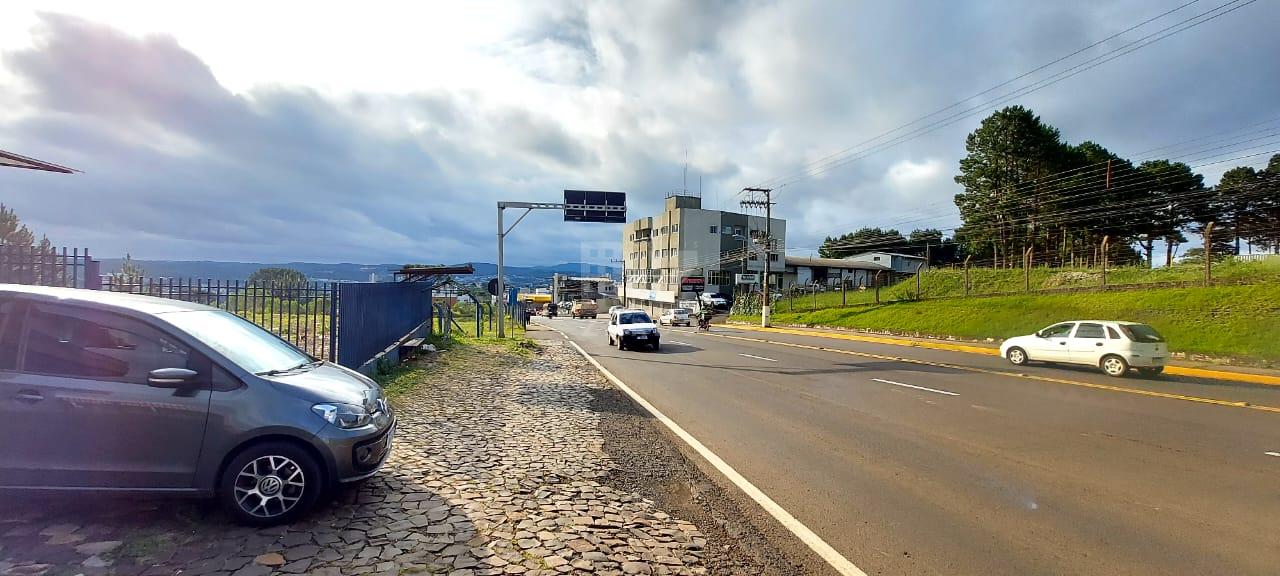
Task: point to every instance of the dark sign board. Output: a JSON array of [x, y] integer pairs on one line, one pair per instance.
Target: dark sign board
[[493, 286], [693, 283], [595, 199]]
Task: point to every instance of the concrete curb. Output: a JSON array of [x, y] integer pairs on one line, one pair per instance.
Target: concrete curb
[[971, 349]]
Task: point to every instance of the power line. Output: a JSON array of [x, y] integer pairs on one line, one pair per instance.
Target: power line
[[849, 155]]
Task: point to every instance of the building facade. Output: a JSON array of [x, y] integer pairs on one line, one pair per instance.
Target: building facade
[[686, 250], [900, 263], [831, 272]]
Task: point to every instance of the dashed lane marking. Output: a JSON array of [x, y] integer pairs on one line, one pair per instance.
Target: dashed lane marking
[[914, 386], [1107, 387], [758, 357]]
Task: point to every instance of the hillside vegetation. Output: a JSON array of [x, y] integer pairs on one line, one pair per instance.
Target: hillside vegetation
[[949, 282], [1225, 321]]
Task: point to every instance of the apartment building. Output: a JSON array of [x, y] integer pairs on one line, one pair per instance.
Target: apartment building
[[685, 250]]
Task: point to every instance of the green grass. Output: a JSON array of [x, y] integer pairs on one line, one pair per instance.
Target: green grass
[[456, 355], [948, 282], [1231, 321]]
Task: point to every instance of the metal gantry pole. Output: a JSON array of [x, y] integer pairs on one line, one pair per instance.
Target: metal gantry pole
[[502, 291]]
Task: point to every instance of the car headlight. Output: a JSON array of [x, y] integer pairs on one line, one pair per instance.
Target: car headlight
[[345, 416]]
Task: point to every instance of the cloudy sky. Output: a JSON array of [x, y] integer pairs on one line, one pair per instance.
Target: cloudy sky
[[386, 131]]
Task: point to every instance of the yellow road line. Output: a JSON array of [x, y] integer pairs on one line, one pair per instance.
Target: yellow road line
[[1108, 387], [1172, 370]]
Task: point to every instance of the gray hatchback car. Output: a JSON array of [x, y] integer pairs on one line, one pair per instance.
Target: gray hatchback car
[[128, 393]]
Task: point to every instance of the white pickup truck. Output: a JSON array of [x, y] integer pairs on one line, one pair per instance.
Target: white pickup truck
[[632, 328]]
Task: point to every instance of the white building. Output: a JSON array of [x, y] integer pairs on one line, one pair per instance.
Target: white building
[[901, 263], [685, 250], [805, 271]]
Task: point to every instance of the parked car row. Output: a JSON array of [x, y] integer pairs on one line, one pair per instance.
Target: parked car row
[[129, 393]]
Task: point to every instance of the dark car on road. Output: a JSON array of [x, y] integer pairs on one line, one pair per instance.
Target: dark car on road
[[126, 393]]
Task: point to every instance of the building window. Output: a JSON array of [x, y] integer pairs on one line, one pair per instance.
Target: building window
[[666, 229], [675, 228], [773, 257], [713, 229], [673, 251]]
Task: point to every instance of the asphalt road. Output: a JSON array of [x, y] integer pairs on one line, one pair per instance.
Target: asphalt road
[[916, 461]]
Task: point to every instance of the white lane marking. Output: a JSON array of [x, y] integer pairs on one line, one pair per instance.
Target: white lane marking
[[758, 357], [841, 564], [1272, 453], [680, 343], [914, 386]]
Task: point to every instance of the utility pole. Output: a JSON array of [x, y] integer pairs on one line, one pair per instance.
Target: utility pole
[[623, 261], [767, 203]]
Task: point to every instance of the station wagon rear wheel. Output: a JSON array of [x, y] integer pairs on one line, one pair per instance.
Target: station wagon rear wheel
[[1114, 366], [270, 483]]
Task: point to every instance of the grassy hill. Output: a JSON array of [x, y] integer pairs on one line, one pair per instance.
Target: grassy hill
[[947, 282], [1227, 321]]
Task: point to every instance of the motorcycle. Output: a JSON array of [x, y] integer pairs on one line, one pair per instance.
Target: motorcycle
[[704, 323]]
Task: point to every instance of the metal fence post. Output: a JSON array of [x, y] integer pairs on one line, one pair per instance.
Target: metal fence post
[[1103, 259], [877, 281], [1208, 253], [333, 322], [966, 274]]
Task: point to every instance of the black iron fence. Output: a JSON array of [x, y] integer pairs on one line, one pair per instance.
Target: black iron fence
[[47, 266], [303, 314]]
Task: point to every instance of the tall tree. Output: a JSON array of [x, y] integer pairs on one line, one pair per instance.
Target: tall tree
[[1174, 201], [12, 231], [278, 276], [1265, 209], [1005, 171], [861, 240]]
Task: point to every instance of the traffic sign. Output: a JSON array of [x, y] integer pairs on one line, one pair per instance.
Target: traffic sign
[[594, 206], [750, 278], [493, 286]]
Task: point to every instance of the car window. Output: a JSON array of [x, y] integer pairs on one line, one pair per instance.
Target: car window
[[77, 343], [1112, 334], [1057, 330], [1141, 333], [241, 341], [634, 318], [10, 324], [1089, 330]]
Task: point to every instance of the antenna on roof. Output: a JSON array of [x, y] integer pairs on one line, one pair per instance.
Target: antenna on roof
[[685, 179]]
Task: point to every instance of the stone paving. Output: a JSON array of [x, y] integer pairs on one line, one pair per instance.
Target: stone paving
[[494, 472]]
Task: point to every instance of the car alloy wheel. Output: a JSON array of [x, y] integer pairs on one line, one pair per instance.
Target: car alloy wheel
[[1115, 366], [1017, 356], [269, 486]]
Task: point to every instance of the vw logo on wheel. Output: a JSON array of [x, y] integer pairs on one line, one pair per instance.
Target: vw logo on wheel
[[270, 486]]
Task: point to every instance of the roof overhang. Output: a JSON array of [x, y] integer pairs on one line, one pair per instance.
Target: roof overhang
[[19, 161]]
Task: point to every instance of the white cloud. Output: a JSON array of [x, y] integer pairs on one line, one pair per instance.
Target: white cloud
[[386, 132]]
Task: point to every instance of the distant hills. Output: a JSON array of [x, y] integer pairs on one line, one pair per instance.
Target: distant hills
[[349, 272]]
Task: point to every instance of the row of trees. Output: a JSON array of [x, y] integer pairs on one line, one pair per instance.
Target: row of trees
[[1025, 187], [929, 242]]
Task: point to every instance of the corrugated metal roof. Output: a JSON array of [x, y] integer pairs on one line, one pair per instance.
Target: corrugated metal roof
[[834, 263]]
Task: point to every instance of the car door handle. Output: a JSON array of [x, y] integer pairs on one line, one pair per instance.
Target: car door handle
[[1097, 343], [28, 396], [1062, 343]]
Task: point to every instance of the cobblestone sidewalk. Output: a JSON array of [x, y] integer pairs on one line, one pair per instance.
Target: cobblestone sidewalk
[[496, 470]]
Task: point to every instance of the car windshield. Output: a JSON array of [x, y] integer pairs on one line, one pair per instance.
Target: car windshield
[[1141, 333], [679, 311], [634, 318], [241, 341]]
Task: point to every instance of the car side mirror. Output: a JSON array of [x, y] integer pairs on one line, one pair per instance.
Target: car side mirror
[[1040, 334], [170, 377]]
